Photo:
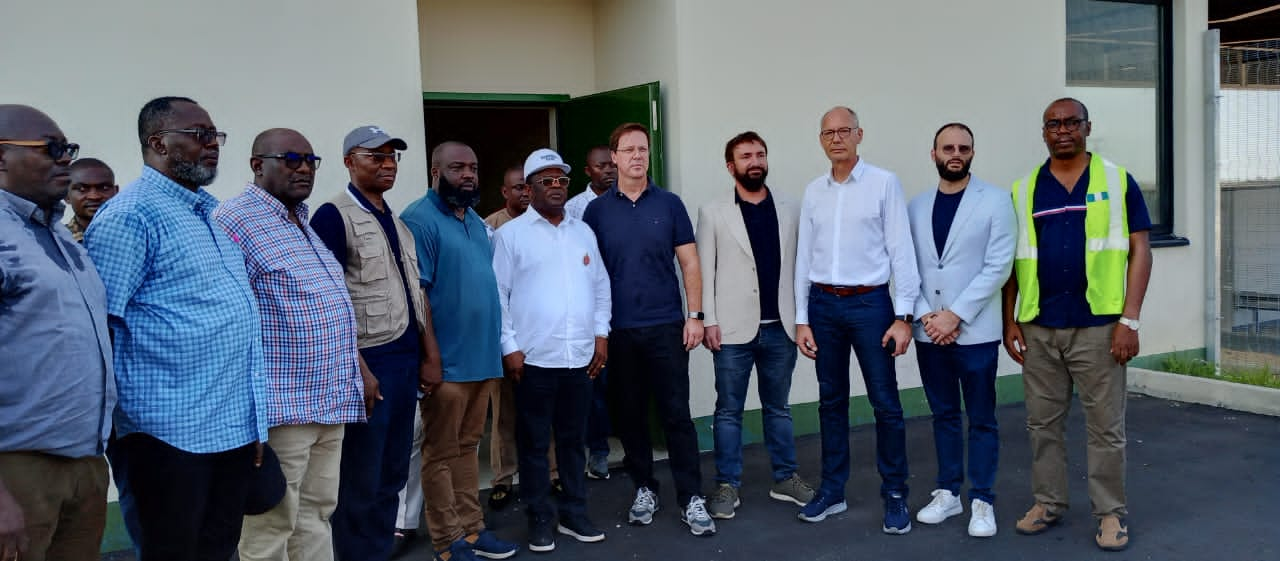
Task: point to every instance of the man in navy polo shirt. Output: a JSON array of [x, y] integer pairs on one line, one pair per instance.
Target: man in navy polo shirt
[[1080, 272], [642, 230]]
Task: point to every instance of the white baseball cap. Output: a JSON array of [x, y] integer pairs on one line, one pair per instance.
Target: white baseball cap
[[541, 159]]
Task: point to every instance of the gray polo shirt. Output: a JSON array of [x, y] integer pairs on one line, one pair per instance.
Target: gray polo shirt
[[57, 389]]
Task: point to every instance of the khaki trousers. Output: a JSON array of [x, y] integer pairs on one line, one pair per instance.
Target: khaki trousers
[[453, 422], [503, 458], [1055, 361], [64, 502], [298, 528]]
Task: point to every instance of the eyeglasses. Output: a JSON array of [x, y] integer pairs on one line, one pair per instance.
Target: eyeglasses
[[1069, 125], [842, 132], [293, 160], [628, 151], [86, 188], [553, 181], [204, 136], [379, 157], [55, 148]]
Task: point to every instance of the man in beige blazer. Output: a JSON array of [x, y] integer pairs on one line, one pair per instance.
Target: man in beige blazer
[[747, 248]]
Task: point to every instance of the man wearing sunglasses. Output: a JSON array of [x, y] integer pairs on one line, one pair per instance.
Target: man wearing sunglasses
[[58, 388], [316, 381], [394, 332], [515, 197], [188, 341], [1080, 272], [455, 268], [92, 184], [555, 300]]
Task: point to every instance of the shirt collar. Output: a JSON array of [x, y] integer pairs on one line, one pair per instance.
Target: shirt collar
[[275, 205], [199, 201], [30, 210], [768, 198], [364, 202], [855, 175], [650, 186], [538, 217]]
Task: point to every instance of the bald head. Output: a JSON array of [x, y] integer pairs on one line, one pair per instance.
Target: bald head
[[269, 141], [28, 170], [273, 172], [843, 110]]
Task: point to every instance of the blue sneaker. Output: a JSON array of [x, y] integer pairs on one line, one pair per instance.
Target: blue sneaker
[[487, 545], [822, 506], [459, 550], [897, 520]]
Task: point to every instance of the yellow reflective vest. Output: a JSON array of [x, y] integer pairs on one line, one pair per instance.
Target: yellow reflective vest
[[1106, 231]]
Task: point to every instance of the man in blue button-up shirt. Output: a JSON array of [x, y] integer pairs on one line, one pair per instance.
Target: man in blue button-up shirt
[[188, 340], [56, 386]]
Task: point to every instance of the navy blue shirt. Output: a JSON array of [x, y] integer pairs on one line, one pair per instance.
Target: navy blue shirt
[[762, 231], [944, 213], [638, 243], [327, 222], [1059, 223]]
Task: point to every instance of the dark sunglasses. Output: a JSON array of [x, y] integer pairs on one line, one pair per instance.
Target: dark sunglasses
[[55, 148], [293, 160]]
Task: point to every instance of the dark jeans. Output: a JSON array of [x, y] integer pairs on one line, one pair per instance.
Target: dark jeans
[[128, 508], [190, 506], [375, 462], [552, 400], [858, 322], [774, 356], [650, 362], [598, 416], [950, 372]]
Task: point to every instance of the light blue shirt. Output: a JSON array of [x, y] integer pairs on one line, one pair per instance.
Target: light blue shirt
[[188, 341], [56, 387], [455, 263]]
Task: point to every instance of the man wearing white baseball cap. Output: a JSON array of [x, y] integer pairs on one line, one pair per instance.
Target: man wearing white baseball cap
[[554, 343]]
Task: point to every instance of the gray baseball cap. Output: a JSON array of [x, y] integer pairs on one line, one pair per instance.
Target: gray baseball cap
[[370, 136]]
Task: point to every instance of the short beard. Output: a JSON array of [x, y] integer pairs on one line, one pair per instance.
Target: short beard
[[455, 196], [949, 175], [185, 171], [753, 184]]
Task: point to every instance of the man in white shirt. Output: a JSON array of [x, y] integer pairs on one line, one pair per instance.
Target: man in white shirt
[[964, 238], [854, 236], [555, 298]]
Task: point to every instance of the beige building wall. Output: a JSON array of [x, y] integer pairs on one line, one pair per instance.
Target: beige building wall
[[320, 67], [507, 46]]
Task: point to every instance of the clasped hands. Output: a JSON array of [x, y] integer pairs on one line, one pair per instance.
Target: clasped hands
[[942, 326]]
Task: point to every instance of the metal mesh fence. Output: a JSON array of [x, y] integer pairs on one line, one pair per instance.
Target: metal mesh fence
[[1249, 175]]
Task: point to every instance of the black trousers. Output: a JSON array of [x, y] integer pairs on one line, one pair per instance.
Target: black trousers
[[651, 362], [190, 506], [553, 403]]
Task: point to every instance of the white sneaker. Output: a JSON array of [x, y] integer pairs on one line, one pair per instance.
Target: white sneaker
[[982, 523], [943, 506]]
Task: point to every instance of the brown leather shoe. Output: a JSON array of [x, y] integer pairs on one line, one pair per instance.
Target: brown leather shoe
[[1037, 520], [1113, 534]]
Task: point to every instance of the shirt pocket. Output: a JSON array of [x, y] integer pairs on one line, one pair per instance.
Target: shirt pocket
[[373, 260], [377, 316]]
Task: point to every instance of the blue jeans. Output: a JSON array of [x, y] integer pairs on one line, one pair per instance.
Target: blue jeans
[[858, 322], [128, 508], [375, 462], [774, 356], [598, 416], [950, 372], [552, 401]]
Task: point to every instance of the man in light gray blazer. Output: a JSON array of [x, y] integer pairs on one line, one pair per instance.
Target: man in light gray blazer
[[747, 249], [964, 239]]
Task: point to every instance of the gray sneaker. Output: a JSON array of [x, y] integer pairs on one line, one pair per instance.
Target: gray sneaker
[[792, 490], [695, 515], [598, 467], [723, 501], [642, 509]]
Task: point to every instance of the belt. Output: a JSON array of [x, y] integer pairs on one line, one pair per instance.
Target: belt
[[847, 290]]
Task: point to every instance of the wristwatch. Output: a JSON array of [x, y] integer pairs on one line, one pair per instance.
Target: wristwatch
[[907, 318], [1130, 323], [697, 315]]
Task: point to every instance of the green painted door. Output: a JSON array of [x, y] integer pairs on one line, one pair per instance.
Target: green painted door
[[587, 121]]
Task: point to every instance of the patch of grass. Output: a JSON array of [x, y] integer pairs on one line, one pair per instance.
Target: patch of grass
[[1257, 375]]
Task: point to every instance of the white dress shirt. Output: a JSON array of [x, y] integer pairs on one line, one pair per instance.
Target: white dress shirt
[[553, 289], [856, 232], [578, 204]]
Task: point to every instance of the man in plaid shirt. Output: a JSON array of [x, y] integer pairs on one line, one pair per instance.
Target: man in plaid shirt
[[316, 380]]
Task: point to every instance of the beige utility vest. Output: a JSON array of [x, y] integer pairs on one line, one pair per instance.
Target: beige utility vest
[[377, 289]]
